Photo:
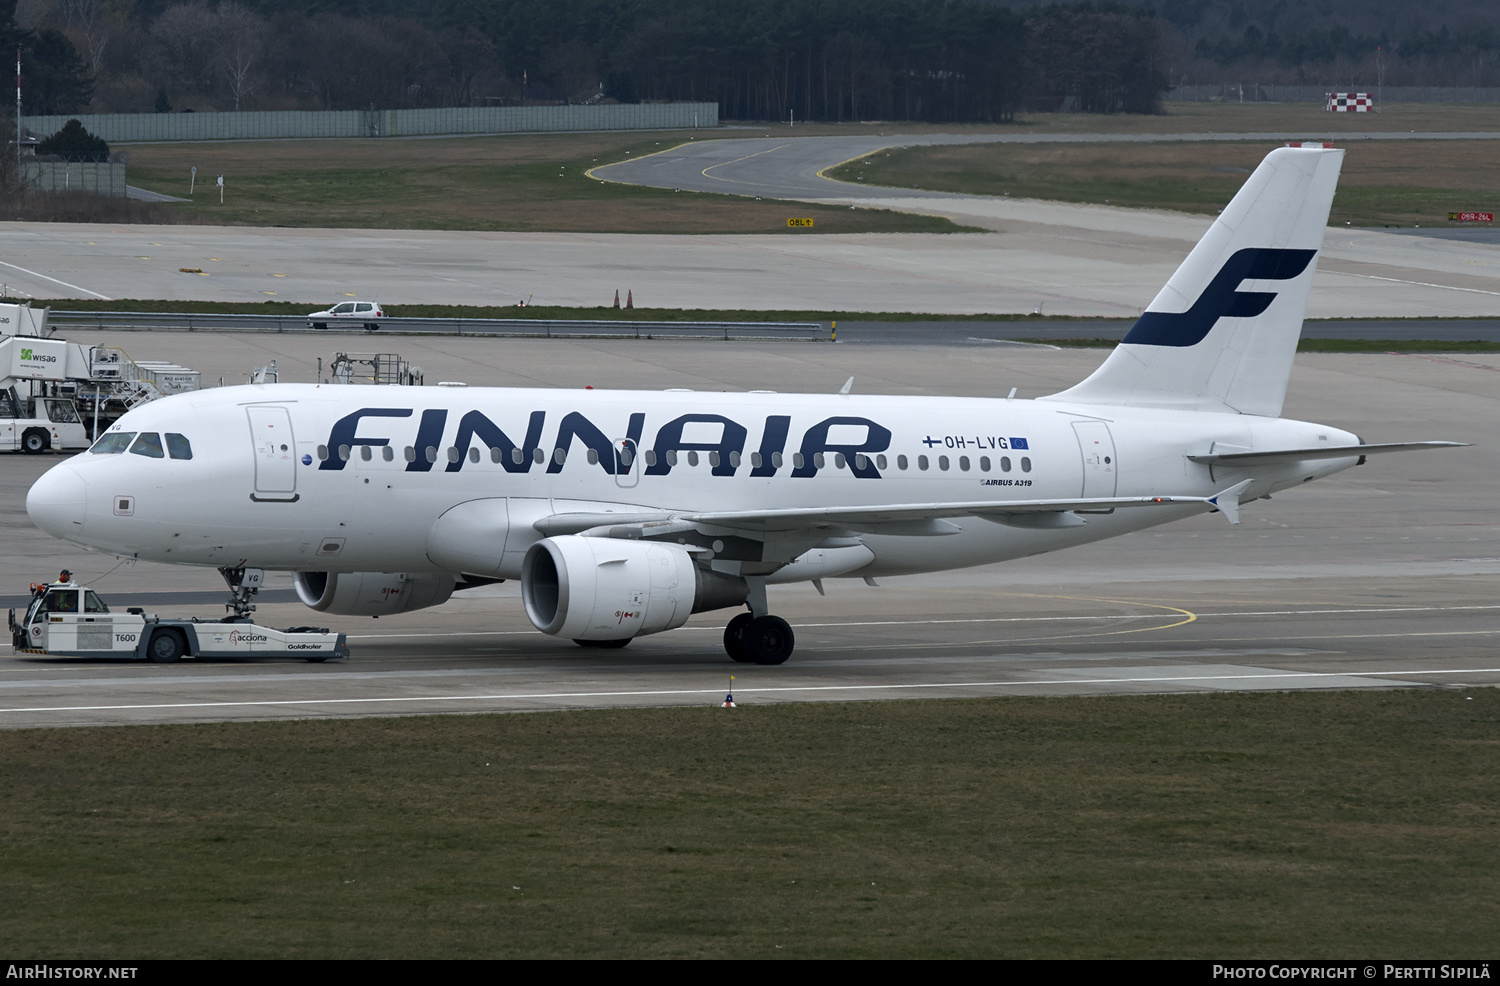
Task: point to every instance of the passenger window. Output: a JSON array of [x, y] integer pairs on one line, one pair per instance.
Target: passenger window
[[409, 454], [473, 455], [776, 460], [963, 463], [344, 309], [387, 453], [734, 460], [860, 460], [755, 460], [538, 456], [671, 457], [692, 458], [148, 444], [365, 453], [839, 460], [560, 455], [922, 462], [178, 446], [901, 462], [880, 462], [593, 456], [343, 453], [113, 444], [943, 463], [797, 460], [1025, 464], [984, 463], [432, 453], [1005, 463], [453, 454]]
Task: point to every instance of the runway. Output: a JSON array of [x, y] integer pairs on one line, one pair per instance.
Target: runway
[[1057, 258], [1384, 576]]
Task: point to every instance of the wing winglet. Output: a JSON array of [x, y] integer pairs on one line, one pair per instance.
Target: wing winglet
[[1228, 501]]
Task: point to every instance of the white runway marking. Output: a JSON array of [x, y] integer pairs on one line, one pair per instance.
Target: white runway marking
[[783, 689], [54, 280], [984, 619]]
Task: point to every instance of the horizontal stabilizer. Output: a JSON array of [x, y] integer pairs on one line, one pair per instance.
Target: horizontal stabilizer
[[1278, 456]]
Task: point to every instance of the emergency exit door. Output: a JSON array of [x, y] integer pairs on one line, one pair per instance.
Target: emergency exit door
[[1099, 466]]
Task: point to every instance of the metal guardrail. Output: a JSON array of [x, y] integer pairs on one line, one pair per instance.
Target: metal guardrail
[[511, 327]]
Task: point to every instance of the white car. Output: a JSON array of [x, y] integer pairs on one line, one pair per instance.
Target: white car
[[365, 312]]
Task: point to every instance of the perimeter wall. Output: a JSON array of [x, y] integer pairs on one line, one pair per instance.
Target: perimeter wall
[[172, 127]]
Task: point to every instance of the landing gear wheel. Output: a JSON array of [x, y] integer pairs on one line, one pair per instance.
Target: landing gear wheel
[[34, 442], [768, 640], [734, 638], [604, 644], [166, 647]]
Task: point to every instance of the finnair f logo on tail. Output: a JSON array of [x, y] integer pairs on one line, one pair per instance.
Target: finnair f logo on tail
[[1222, 298]]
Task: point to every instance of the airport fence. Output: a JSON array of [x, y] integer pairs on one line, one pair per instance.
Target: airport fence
[[512, 327], [98, 177], [290, 124], [1257, 93]]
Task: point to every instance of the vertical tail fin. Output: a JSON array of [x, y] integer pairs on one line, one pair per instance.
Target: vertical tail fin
[[1222, 333]]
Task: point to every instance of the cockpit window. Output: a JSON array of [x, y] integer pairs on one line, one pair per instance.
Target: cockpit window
[[148, 444], [178, 446], [113, 443]]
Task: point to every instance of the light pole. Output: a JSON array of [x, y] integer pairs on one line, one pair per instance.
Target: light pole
[[18, 112]]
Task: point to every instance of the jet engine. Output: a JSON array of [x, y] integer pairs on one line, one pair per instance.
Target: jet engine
[[372, 593], [609, 589]]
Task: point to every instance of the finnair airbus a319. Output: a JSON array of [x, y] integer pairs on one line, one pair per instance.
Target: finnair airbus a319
[[624, 512]]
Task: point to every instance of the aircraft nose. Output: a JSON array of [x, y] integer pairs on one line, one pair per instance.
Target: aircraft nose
[[56, 502]]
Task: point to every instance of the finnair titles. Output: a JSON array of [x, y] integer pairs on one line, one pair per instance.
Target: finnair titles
[[622, 513]]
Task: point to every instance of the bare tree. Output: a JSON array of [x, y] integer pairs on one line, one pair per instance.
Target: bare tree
[[185, 38], [242, 42]]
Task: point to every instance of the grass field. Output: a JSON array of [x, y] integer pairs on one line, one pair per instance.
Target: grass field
[[520, 182], [1382, 183], [1224, 825]]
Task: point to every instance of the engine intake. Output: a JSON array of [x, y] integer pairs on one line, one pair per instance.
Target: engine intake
[[372, 593], [608, 589]]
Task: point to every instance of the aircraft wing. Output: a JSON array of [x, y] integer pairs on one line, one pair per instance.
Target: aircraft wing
[[914, 519], [1324, 452]]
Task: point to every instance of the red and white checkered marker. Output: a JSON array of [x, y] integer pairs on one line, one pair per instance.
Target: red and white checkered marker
[[1350, 102]]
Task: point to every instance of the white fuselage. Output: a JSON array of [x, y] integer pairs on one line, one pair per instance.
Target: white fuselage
[[349, 479]]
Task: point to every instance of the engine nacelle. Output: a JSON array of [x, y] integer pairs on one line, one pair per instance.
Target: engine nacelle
[[609, 589], [372, 593]]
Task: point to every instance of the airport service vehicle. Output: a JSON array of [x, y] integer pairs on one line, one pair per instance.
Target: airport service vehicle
[[623, 512], [35, 424], [68, 620], [58, 394], [364, 312]]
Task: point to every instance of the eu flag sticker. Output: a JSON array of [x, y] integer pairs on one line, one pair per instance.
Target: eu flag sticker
[[1019, 443]]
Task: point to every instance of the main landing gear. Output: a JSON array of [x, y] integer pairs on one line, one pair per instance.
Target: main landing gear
[[757, 637]]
